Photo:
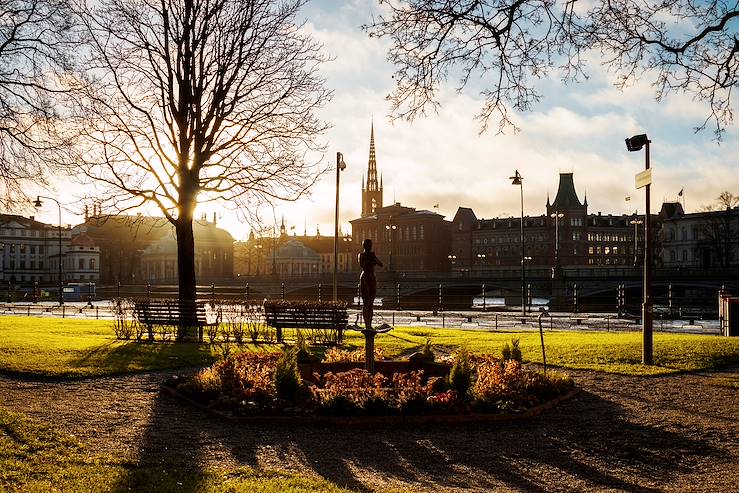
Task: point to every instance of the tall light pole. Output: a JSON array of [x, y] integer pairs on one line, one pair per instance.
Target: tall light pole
[[391, 229], [556, 216], [517, 179], [644, 179], [340, 166], [636, 222], [38, 204]]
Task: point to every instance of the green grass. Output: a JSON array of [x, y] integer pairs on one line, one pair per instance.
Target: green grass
[[79, 348], [74, 348], [603, 351], [36, 458]]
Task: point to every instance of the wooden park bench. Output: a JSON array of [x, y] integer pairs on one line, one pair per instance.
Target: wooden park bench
[[172, 313], [331, 318]]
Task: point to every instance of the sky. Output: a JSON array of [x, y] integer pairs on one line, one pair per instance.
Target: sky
[[443, 159]]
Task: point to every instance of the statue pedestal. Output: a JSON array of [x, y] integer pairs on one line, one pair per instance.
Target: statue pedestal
[[369, 344]]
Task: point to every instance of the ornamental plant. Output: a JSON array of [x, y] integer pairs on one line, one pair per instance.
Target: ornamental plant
[[286, 376], [460, 375]]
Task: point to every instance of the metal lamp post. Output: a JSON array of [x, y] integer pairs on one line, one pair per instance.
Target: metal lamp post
[[340, 166], [636, 222], [517, 179], [391, 229], [556, 216], [38, 204], [643, 179]]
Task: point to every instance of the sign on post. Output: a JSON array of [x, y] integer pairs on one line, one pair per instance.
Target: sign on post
[[644, 178]]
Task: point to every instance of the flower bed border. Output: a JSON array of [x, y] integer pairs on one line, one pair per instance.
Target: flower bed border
[[377, 420]]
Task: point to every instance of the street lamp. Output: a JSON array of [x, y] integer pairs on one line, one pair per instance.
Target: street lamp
[[347, 238], [517, 179], [38, 204], [633, 144], [481, 257], [391, 228], [556, 216], [340, 166], [636, 222]]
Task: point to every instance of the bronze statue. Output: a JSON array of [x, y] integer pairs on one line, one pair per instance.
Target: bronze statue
[[367, 281]]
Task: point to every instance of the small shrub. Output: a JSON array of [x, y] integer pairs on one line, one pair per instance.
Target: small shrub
[[206, 384], [460, 375], [512, 351], [428, 352], [287, 376], [124, 323]]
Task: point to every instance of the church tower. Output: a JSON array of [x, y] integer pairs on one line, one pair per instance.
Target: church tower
[[372, 193]]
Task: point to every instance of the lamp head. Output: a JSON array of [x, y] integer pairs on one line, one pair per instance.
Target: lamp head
[[517, 179], [636, 142], [340, 161], [37, 204]]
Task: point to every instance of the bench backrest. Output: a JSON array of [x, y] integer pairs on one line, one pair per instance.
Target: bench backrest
[[319, 318], [169, 312]]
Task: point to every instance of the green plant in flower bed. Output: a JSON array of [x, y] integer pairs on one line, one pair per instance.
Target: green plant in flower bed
[[250, 384]]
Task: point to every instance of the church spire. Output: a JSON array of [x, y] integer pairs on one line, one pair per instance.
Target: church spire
[[371, 189], [372, 185]]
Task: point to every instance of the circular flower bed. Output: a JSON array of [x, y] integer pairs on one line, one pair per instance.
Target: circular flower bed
[[276, 384]]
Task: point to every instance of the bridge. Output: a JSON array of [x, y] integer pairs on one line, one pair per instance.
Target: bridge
[[573, 288]]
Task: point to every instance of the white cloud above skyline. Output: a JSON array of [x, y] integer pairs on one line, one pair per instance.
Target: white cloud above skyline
[[443, 159]]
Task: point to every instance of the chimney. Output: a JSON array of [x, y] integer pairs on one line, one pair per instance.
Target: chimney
[[32, 218], [214, 218]]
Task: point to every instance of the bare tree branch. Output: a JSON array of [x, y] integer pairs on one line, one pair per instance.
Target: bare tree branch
[[190, 101], [687, 46]]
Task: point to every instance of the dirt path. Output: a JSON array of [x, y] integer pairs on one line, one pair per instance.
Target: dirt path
[[673, 433]]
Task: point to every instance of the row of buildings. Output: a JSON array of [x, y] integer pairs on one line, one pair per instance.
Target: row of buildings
[[138, 249], [566, 235]]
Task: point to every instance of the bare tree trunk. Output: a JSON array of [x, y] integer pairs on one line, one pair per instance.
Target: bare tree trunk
[[186, 259]]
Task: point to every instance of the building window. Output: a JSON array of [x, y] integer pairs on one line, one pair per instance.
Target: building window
[[420, 232], [673, 256], [685, 255], [590, 250]]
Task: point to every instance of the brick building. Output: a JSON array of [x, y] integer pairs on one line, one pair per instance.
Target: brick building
[[405, 239]]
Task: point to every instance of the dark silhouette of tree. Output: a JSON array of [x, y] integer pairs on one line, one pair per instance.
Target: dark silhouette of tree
[[190, 101], [720, 228], [35, 40], [684, 45]]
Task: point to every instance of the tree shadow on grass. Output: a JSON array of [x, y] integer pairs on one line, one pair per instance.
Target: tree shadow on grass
[[120, 357], [589, 443]]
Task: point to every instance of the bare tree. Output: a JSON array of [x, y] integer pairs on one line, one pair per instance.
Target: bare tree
[[192, 101], [685, 45], [35, 40], [720, 228]]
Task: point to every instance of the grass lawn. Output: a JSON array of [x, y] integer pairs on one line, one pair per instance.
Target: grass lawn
[[36, 458], [67, 347], [78, 348], [615, 352]]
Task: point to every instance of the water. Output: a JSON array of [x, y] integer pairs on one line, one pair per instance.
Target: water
[[495, 301]]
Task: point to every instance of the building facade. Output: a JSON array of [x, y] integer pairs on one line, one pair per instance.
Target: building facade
[[30, 252], [140, 249], [567, 235], [707, 240]]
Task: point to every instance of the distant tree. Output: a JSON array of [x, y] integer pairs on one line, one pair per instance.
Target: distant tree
[[194, 101], [35, 42], [684, 45], [720, 228]]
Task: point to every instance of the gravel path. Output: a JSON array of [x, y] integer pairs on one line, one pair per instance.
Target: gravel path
[[676, 433]]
